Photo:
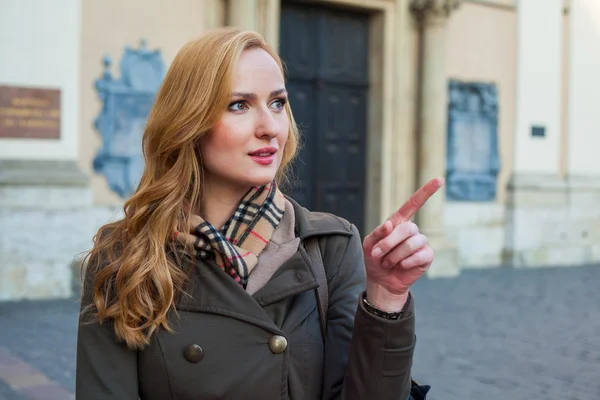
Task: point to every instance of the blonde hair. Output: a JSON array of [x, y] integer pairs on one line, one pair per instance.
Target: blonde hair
[[134, 278]]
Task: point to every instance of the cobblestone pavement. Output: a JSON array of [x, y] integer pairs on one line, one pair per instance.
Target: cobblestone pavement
[[488, 334]]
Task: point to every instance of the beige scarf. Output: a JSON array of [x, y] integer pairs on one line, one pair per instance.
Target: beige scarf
[[236, 247]]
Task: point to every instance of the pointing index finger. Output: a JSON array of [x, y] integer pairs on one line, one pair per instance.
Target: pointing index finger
[[416, 201]]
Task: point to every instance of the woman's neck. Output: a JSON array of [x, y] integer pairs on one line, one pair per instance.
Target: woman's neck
[[219, 203]]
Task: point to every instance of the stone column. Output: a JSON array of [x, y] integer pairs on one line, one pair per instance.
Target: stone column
[[538, 102], [584, 94], [583, 141], [536, 211], [243, 14], [214, 13], [432, 16], [44, 197], [270, 15]]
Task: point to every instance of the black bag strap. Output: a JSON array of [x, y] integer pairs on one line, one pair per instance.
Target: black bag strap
[[417, 391], [314, 252]]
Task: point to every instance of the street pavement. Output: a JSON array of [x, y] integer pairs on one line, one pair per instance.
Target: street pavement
[[489, 334]]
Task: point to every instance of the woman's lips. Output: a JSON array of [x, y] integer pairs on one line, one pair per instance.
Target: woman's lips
[[264, 158]]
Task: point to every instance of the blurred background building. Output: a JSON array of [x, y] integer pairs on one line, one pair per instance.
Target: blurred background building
[[498, 96]]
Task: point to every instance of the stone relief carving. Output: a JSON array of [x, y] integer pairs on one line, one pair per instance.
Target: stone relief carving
[[473, 161], [126, 103]]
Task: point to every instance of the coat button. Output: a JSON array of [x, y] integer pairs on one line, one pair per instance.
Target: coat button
[[193, 353], [277, 344]]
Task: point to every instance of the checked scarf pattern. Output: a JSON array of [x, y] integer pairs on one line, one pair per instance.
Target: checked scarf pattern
[[235, 247]]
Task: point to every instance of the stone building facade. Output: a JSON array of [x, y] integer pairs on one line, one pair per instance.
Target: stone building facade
[[498, 96]]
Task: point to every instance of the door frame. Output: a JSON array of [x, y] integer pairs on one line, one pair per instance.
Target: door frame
[[391, 143]]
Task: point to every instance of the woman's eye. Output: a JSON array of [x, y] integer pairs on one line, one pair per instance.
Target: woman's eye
[[279, 103], [237, 106]]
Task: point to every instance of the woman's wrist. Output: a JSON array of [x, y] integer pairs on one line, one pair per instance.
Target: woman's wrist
[[384, 300]]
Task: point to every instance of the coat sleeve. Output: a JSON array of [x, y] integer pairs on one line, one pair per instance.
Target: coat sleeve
[[366, 357], [106, 369]]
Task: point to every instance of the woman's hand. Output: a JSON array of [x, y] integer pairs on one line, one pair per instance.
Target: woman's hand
[[397, 254]]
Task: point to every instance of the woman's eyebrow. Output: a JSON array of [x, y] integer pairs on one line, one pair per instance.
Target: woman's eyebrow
[[252, 96]]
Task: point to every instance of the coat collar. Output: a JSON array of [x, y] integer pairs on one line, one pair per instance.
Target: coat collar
[[210, 290], [309, 223]]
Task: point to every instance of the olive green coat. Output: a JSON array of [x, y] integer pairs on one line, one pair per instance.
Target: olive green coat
[[229, 344]]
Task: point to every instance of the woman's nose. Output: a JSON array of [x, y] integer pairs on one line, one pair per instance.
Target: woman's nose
[[267, 125]]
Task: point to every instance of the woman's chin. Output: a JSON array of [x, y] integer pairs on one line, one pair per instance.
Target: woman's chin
[[262, 176], [263, 180]]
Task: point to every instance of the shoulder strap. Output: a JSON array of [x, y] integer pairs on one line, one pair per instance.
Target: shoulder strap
[[417, 391], [314, 252]]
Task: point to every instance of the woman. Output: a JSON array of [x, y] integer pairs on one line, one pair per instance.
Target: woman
[[223, 306]]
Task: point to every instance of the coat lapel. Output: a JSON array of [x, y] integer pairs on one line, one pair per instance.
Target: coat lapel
[[293, 277], [211, 290]]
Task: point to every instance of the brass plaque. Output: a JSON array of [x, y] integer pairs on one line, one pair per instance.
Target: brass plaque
[[29, 113]]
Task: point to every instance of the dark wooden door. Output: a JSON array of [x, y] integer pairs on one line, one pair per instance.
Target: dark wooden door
[[326, 55]]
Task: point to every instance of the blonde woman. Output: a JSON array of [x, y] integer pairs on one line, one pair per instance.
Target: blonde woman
[[205, 290]]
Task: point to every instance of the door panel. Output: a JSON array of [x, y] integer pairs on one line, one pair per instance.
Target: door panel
[[326, 54], [299, 39], [342, 149], [303, 170], [344, 51]]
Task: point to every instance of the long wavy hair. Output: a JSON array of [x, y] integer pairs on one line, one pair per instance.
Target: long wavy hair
[[131, 273]]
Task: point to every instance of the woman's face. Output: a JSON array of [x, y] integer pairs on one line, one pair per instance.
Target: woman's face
[[245, 147]]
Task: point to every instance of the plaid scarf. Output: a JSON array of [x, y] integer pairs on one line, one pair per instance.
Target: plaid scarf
[[236, 247]]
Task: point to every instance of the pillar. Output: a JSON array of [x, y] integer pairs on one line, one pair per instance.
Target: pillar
[[432, 16], [262, 16], [243, 14], [214, 14], [584, 96], [270, 15], [583, 141], [402, 142], [538, 113], [537, 196], [41, 186]]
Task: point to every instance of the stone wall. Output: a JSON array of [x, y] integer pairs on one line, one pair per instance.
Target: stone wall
[[46, 221], [552, 221], [478, 231], [546, 221]]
